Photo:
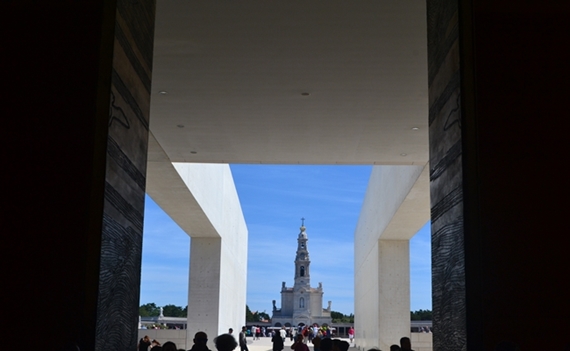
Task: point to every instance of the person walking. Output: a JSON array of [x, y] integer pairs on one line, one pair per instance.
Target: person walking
[[243, 340]]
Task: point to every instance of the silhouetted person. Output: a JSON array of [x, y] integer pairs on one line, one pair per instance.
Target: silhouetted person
[[326, 344], [144, 343], [225, 342], [405, 344], [317, 341], [169, 346], [277, 341], [395, 348], [336, 344], [299, 345], [200, 342]]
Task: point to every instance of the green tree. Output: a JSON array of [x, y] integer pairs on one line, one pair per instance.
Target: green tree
[[338, 317], [149, 310], [174, 311], [421, 315], [248, 315]]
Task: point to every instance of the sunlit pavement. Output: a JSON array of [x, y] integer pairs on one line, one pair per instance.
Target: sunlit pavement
[[265, 344]]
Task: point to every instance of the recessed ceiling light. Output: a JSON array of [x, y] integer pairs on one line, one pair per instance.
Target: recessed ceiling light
[[403, 154], [305, 94], [162, 92], [180, 126], [415, 128]]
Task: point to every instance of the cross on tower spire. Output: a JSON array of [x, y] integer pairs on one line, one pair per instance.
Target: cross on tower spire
[[303, 221]]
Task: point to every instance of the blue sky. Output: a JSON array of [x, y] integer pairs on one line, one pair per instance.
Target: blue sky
[[274, 198]]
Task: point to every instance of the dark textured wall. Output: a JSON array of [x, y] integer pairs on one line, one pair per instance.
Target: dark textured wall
[[121, 244], [446, 177], [75, 148], [498, 78]]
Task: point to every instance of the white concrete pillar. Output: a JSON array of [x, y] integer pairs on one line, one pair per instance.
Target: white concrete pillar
[[395, 207], [204, 289], [393, 292]]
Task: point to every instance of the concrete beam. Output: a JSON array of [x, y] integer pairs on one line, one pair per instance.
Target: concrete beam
[[203, 201], [165, 186]]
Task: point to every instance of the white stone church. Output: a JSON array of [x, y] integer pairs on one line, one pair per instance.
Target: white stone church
[[301, 304]]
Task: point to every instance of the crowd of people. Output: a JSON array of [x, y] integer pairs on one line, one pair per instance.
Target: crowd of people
[[321, 341], [224, 342]]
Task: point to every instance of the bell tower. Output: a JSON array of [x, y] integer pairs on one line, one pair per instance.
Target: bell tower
[[301, 304], [302, 261]]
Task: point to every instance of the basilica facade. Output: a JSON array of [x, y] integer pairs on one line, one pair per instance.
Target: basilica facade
[[301, 304]]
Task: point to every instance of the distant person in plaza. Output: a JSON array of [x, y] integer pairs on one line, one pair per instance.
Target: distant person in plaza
[[200, 342], [305, 333], [225, 342], [351, 334], [231, 331], [154, 344], [405, 344], [299, 345], [283, 333], [144, 343], [277, 341], [242, 340]]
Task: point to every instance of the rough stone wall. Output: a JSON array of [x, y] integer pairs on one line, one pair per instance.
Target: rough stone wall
[[121, 247], [448, 262]]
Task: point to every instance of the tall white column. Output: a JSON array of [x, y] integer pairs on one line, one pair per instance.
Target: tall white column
[[204, 288], [393, 292]]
